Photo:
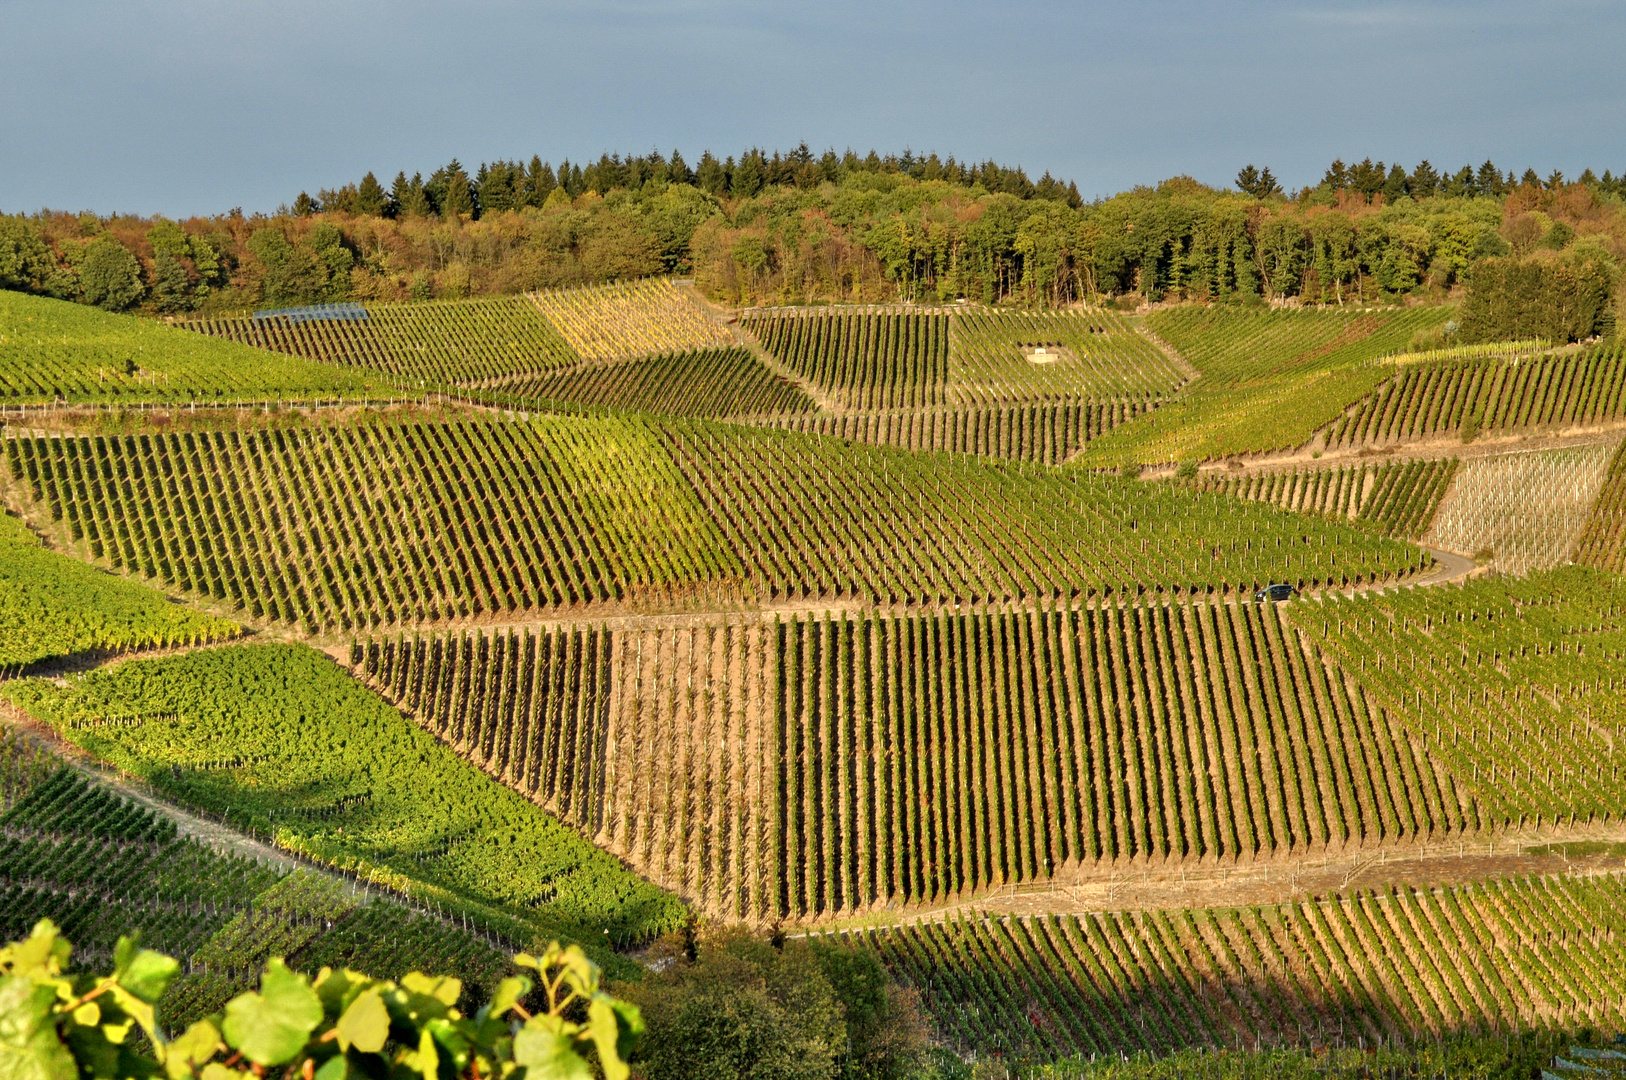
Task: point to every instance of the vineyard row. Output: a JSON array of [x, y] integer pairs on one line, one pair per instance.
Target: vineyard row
[[814, 767]]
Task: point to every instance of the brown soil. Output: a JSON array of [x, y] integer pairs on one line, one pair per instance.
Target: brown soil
[[1139, 884]]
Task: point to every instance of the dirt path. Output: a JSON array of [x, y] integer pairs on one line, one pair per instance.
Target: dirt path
[[1421, 450], [212, 834], [1169, 351], [1140, 884], [729, 321]]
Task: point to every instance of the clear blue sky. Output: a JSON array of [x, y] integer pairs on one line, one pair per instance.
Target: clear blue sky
[[197, 107]]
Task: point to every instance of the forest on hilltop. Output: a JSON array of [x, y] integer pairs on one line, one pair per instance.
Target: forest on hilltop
[[796, 228]]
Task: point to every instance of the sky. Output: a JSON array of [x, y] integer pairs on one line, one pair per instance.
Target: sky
[[181, 108]]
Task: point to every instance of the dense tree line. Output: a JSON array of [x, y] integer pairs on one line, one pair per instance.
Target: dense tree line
[[500, 186], [796, 227]]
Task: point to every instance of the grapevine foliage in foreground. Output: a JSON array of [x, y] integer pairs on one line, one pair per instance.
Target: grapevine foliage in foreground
[[61, 1026], [55, 350], [99, 866], [234, 731], [52, 605]]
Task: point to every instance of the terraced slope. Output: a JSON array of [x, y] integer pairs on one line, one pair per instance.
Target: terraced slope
[[995, 357], [729, 382], [335, 528], [1498, 396], [54, 606], [862, 358], [280, 739], [805, 767], [1527, 508]]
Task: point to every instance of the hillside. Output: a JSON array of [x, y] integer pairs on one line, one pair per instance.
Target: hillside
[[659, 627]]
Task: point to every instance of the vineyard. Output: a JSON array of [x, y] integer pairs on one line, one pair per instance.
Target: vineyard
[[1527, 509], [861, 358], [1600, 543], [378, 523], [229, 731], [1270, 379], [626, 319], [1369, 966], [448, 343], [1398, 499], [807, 767], [100, 866], [1554, 391], [55, 606], [52, 350], [995, 357], [336, 528], [814, 517], [1510, 684], [1047, 433], [650, 631], [704, 383]]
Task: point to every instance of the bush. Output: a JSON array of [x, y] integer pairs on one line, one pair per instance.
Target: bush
[[109, 275], [1557, 298], [735, 1005]]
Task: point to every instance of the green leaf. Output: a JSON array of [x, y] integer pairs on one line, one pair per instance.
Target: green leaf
[[272, 1026], [425, 1060], [190, 1049], [334, 1068], [443, 989], [605, 1028], [44, 953], [509, 992], [548, 1052], [144, 973], [365, 1025], [29, 1046]]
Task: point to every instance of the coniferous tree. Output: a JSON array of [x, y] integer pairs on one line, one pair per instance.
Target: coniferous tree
[[1489, 179], [677, 170], [709, 176], [450, 193], [1256, 182], [1530, 179], [1396, 186], [408, 199], [1424, 180], [539, 182], [370, 197], [1337, 176], [305, 206]]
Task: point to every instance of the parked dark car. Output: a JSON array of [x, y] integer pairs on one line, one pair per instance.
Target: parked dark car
[[1274, 592]]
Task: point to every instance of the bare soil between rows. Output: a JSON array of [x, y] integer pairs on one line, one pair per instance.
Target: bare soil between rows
[[1177, 884]]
